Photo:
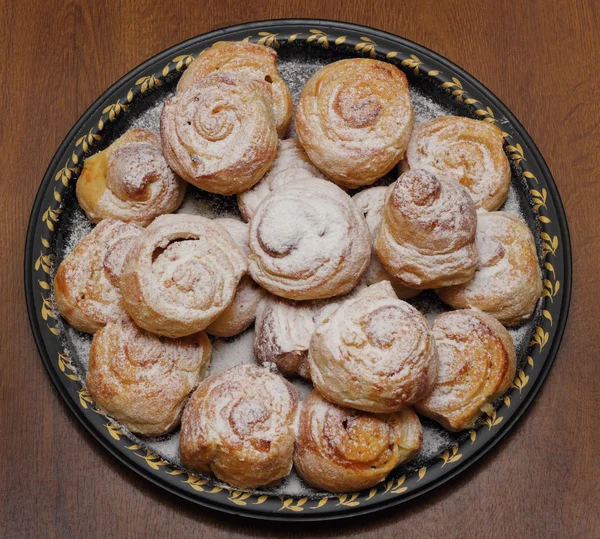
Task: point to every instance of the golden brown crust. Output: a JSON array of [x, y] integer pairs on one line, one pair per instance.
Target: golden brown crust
[[477, 363], [370, 202], [427, 235], [374, 353], [219, 134], [238, 425], [340, 450], [464, 150], [283, 331], [129, 181], [308, 241], [250, 60], [86, 282], [354, 119], [142, 380], [181, 274], [508, 282]]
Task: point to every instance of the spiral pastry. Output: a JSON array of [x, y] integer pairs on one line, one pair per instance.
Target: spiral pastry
[[354, 119], [508, 282], [374, 353], [219, 134], [180, 275], [468, 151], [370, 203], [242, 310], [308, 241], [86, 284], [477, 364], [249, 60], [142, 380], [427, 235], [290, 164], [129, 181], [283, 331], [341, 450], [238, 425]]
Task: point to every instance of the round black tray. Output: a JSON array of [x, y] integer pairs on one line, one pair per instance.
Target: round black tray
[[303, 39]]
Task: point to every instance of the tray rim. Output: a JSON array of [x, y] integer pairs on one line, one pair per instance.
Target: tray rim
[[344, 512]]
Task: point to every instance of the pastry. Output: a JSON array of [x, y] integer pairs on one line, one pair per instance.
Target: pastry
[[370, 202], [86, 284], [427, 235], [219, 134], [143, 380], [290, 164], [180, 275], [308, 241], [248, 60], [508, 282], [242, 310], [342, 450], [374, 353], [129, 181], [283, 331], [468, 151], [477, 364], [354, 119], [238, 425]]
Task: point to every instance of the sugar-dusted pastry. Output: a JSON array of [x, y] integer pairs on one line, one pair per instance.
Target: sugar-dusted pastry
[[283, 331], [508, 282], [86, 284], [370, 202], [238, 425], [290, 164], [181, 274], [477, 364], [129, 181], [427, 234], [374, 353], [248, 60], [143, 380], [242, 310], [339, 449], [354, 119], [308, 241], [468, 151], [219, 134]]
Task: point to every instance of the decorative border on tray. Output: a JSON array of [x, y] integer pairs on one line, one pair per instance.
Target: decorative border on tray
[[326, 39]]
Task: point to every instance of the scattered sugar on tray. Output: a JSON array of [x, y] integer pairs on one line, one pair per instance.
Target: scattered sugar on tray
[[292, 485], [150, 119], [434, 442], [425, 107], [228, 353], [520, 336], [79, 344], [78, 227], [513, 204], [167, 449]]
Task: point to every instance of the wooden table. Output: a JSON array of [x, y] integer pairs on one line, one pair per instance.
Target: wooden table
[[540, 57]]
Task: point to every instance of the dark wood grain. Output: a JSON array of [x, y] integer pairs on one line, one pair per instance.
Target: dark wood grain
[[540, 57]]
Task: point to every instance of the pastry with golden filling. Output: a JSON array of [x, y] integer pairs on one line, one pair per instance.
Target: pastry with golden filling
[[477, 364], [341, 450]]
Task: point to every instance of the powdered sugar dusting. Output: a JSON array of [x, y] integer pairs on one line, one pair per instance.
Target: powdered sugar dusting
[[230, 352]]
